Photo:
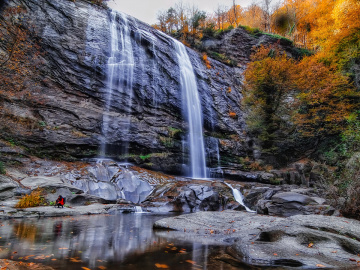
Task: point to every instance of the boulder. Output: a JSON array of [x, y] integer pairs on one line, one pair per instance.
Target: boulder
[[8, 187], [38, 181], [302, 241]]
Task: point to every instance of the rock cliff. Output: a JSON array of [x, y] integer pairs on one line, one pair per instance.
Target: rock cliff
[[65, 118]]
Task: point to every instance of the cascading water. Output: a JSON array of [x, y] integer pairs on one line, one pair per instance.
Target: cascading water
[[192, 110], [120, 75], [239, 198]]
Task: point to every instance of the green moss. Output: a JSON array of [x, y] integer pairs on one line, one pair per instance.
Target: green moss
[[145, 157], [166, 141], [174, 132], [250, 30], [279, 37], [276, 181], [2, 168]]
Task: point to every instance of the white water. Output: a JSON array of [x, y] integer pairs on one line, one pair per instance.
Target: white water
[[120, 73], [192, 110], [138, 210], [239, 197]]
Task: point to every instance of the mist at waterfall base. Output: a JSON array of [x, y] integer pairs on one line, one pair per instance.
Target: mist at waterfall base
[[118, 241]]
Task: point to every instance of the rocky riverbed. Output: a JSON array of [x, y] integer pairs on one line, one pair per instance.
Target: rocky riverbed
[[124, 186], [301, 241]]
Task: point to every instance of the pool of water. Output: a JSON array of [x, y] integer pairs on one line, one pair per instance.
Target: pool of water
[[119, 241]]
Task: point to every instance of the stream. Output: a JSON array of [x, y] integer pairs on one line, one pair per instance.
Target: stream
[[118, 241], [125, 241]]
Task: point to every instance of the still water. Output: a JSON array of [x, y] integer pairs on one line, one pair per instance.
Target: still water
[[119, 241]]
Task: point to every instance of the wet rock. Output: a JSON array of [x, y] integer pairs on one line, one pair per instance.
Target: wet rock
[[291, 203], [304, 242], [51, 211], [190, 196]]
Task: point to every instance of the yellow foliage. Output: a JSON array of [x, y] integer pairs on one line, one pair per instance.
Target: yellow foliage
[[206, 61], [34, 199]]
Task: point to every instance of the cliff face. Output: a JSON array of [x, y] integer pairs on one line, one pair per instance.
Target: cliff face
[[73, 102]]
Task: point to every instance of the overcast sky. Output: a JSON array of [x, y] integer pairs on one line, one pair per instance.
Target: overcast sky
[[146, 10]]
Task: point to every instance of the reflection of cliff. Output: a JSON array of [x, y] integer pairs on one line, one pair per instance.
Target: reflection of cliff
[[105, 238]]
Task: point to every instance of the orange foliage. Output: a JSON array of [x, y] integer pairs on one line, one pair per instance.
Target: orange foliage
[[206, 61], [325, 98], [316, 96], [232, 114]]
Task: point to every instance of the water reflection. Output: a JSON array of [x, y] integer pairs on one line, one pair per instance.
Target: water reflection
[[124, 241]]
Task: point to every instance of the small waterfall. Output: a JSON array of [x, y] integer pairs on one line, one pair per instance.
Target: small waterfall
[[138, 210], [239, 198], [120, 76], [192, 110]]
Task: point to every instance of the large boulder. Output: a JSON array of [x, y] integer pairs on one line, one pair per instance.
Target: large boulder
[[304, 242], [190, 196]]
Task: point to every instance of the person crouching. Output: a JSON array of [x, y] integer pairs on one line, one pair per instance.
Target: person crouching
[[60, 201]]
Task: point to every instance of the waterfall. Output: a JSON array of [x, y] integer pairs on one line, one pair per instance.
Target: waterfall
[[192, 111], [120, 75], [138, 210], [239, 198]]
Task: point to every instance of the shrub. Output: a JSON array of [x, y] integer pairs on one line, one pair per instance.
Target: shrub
[[35, 198]]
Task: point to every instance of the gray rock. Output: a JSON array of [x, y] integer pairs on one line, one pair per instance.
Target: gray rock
[[34, 182], [74, 74], [288, 197], [7, 187], [304, 242]]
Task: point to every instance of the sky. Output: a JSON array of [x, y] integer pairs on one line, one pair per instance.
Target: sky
[[146, 10]]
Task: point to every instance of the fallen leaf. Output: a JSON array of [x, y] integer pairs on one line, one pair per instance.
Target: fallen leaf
[[310, 245], [353, 260], [275, 254], [102, 267], [85, 268], [320, 265], [161, 266], [190, 261], [334, 251]]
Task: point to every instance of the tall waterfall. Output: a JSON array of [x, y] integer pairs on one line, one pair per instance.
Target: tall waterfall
[[193, 114], [120, 75]]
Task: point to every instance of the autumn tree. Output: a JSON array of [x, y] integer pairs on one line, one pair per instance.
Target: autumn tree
[[268, 95], [326, 98]]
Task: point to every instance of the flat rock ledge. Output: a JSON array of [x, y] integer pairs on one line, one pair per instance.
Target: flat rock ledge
[[51, 211], [301, 241]]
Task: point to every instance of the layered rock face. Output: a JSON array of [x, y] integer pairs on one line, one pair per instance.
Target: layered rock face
[[144, 123]]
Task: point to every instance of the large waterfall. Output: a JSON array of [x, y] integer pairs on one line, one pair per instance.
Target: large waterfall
[[192, 111], [120, 76]]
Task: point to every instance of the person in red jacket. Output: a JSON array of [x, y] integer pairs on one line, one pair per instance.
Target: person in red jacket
[[60, 201]]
